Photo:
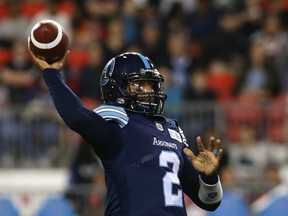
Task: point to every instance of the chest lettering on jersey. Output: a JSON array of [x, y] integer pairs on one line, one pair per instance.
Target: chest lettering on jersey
[[158, 142]]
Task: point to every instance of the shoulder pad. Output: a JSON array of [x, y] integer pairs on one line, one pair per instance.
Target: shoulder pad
[[172, 122], [113, 113]]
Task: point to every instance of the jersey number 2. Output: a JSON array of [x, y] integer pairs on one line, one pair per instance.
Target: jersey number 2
[[171, 179]]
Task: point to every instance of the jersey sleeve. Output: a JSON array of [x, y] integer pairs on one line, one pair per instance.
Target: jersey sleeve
[[89, 124]]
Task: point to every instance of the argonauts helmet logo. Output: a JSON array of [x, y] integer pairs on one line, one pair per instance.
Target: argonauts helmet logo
[[107, 71]]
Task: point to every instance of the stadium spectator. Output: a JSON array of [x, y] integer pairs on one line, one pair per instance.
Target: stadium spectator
[[173, 103], [104, 9], [277, 130], [91, 72], [22, 85], [228, 41], [131, 22], [258, 79], [85, 171], [198, 89], [198, 92], [152, 40], [41, 128], [202, 21], [15, 75], [13, 27], [219, 71], [174, 20], [114, 42], [52, 11], [248, 157], [167, 5], [179, 59], [275, 42]]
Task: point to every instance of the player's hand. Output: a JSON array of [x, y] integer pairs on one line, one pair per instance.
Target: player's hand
[[42, 64], [207, 161]]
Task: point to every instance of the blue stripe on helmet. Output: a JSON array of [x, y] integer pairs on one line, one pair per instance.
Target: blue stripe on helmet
[[145, 61]]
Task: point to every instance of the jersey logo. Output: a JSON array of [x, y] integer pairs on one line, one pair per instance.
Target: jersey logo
[[175, 135], [113, 113], [159, 126], [107, 71]]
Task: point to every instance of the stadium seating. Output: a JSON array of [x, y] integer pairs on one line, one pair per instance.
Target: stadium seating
[[5, 56], [276, 118], [56, 206], [232, 205], [279, 207], [241, 113], [7, 208]]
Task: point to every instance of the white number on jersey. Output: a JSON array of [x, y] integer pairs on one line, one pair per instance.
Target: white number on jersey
[[171, 179]]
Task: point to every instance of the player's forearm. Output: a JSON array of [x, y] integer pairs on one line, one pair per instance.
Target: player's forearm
[[66, 102], [88, 124]]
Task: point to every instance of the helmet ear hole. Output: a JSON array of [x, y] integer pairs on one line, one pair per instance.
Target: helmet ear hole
[[124, 83], [112, 82]]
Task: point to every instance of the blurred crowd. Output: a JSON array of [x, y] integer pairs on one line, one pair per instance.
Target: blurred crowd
[[208, 50]]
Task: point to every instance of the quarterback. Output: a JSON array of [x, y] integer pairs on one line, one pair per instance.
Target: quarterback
[[148, 165]]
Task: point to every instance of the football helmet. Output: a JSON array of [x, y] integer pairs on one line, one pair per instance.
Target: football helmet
[[130, 80]]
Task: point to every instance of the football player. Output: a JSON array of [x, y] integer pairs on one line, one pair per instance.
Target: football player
[[148, 166]]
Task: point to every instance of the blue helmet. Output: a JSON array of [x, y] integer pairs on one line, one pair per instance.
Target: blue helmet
[[126, 71]]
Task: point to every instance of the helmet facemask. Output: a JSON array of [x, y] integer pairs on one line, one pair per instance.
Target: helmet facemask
[[145, 94]]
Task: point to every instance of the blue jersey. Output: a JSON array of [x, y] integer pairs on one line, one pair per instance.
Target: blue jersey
[[146, 171]]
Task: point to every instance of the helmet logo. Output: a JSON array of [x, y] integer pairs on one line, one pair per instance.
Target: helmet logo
[[107, 71]]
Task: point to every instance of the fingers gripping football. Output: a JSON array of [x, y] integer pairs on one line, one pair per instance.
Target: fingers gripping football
[[48, 41]]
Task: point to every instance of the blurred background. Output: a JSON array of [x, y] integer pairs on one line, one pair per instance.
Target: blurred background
[[225, 64]]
